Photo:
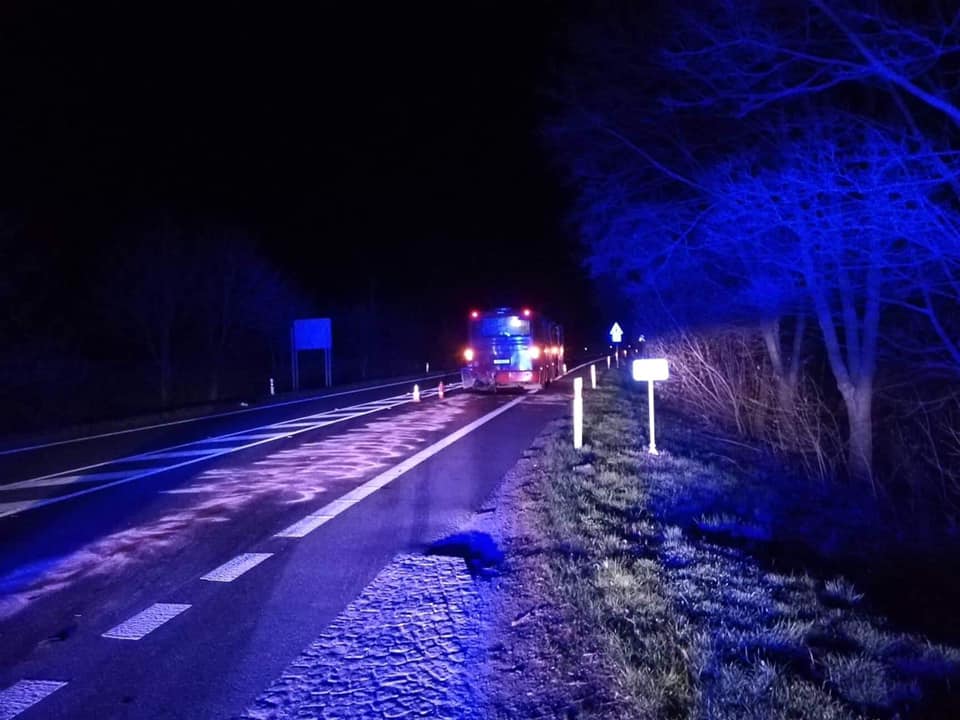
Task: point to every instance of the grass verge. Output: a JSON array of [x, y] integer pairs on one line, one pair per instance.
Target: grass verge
[[667, 565]]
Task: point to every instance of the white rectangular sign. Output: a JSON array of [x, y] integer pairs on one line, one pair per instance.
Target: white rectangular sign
[[651, 369]]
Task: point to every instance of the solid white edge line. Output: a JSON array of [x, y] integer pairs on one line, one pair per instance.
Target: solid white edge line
[[25, 694], [232, 569], [329, 511]]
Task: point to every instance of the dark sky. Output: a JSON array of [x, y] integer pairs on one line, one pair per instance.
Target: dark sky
[[391, 141]]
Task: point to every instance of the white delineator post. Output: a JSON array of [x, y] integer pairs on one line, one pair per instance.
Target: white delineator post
[[440, 390], [653, 425], [416, 393], [608, 362], [593, 377], [272, 389], [428, 367], [577, 413]]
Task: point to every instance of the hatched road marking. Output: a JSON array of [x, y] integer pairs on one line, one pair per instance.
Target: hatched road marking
[[190, 453]]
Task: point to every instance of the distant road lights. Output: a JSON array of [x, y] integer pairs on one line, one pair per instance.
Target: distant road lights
[[534, 352], [468, 354], [474, 314], [526, 312]]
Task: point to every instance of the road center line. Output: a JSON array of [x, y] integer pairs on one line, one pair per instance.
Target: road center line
[[232, 569], [25, 694], [144, 623]]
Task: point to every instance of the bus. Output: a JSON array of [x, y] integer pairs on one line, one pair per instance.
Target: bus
[[510, 347]]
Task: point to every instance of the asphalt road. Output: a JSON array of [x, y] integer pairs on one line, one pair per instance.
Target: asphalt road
[[307, 519]]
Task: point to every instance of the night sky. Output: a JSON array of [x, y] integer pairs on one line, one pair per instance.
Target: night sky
[[395, 145]]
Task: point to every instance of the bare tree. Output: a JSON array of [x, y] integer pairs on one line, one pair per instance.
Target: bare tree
[[148, 285]]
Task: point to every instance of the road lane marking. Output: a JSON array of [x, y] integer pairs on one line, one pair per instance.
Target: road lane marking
[[12, 508], [173, 454], [25, 694], [232, 569], [65, 480], [144, 623], [302, 528], [25, 448], [311, 522], [139, 473]]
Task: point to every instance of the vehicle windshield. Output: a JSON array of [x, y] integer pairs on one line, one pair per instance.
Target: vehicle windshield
[[504, 326]]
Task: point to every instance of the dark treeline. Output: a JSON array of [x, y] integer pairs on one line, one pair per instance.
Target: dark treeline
[[165, 314]]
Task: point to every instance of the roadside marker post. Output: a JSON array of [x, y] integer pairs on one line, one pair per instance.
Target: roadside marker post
[[440, 390], [272, 389], [608, 362], [593, 377], [577, 413], [651, 369], [416, 393]]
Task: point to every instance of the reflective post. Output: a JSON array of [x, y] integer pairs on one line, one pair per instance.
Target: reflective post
[[608, 362], [593, 377], [416, 393], [272, 389], [577, 413], [440, 390], [653, 430]]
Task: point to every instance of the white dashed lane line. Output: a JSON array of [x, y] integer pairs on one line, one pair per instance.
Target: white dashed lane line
[[144, 623], [232, 569], [304, 527], [25, 694]]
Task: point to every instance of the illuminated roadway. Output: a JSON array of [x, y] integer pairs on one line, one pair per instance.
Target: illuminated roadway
[[204, 556]]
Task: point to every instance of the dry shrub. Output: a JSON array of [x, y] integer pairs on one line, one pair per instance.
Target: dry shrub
[[725, 377]]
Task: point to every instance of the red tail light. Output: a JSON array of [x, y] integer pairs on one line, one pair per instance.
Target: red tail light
[[468, 354]]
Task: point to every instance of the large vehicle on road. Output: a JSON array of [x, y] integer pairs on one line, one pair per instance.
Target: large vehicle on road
[[507, 347]]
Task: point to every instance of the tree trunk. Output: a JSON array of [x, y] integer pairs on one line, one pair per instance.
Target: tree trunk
[[858, 400], [213, 389], [787, 374], [166, 375]]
